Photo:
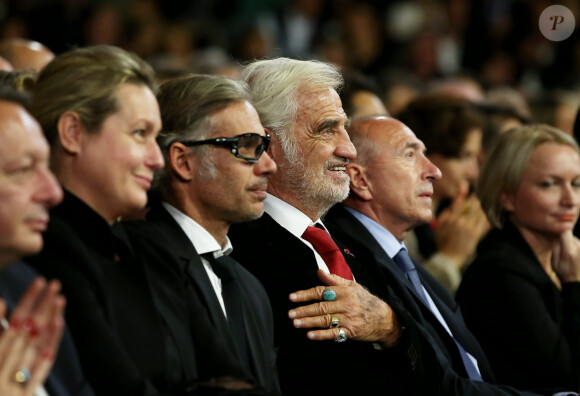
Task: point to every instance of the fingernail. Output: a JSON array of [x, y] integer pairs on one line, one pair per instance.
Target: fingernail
[[28, 325], [34, 331], [15, 324], [48, 355], [292, 314], [297, 323], [293, 296], [311, 336]]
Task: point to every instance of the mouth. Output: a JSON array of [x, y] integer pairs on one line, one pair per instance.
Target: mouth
[[337, 168], [38, 224], [259, 190], [144, 181], [567, 217], [338, 171]]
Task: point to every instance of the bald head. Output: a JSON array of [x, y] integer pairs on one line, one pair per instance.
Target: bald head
[[5, 65], [25, 54], [391, 179], [370, 134]]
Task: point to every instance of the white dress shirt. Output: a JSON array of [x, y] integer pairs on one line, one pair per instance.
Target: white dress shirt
[[203, 242]]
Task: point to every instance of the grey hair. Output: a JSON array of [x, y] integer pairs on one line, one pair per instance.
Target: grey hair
[[275, 86], [506, 163]]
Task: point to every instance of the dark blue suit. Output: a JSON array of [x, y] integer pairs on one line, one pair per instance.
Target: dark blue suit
[[345, 227]]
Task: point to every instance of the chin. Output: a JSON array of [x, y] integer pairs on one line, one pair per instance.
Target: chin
[[31, 246], [138, 202]]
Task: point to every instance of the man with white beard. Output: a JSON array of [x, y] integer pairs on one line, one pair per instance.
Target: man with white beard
[[288, 249]]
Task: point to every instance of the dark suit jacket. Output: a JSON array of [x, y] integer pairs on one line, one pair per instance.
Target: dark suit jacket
[[529, 329], [284, 264], [124, 344], [167, 250], [66, 377], [348, 229]]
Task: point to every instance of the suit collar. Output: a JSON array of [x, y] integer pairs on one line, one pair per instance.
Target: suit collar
[[189, 262], [201, 239], [286, 215], [176, 239], [340, 220], [93, 229], [384, 237]]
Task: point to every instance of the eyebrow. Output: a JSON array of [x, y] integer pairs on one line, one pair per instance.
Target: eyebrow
[[326, 124]]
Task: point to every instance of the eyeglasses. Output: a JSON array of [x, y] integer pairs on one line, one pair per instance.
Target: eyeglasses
[[248, 146]]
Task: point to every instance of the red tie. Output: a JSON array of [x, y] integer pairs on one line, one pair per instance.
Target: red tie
[[329, 252]]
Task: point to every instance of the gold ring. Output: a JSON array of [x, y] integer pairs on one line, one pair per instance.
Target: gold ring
[[334, 322]]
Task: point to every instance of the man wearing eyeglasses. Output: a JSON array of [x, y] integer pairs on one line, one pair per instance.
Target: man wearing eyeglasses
[[215, 175]]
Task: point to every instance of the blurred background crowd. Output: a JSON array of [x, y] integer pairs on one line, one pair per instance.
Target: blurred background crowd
[[493, 49]]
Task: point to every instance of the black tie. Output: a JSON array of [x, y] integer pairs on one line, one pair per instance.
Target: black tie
[[224, 268], [406, 265]]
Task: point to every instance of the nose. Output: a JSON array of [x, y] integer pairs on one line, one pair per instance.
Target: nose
[[570, 196], [265, 165], [344, 147], [154, 159], [431, 171], [48, 190], [471, 170]]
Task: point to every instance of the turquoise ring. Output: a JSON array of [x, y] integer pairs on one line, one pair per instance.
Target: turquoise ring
[[22, 376], [328, 294]]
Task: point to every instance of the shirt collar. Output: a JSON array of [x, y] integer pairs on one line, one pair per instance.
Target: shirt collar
[[288, 216], [201, 239], [388, 242]]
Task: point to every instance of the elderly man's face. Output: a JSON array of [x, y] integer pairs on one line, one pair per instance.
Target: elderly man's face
[[401, 176], [27, 187], [317, 173]]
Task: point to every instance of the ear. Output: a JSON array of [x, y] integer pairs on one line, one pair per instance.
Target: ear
[[274, 149], [180, 163], [359, 182], [70, 132], [507, 201]]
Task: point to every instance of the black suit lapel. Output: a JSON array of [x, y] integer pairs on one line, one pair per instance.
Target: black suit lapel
[[277, 236], [191, 264]]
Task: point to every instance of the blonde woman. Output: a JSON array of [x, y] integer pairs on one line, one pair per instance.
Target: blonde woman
[[521, 295]]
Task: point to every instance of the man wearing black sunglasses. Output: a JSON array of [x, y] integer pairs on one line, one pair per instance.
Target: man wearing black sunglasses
[[215, 175]]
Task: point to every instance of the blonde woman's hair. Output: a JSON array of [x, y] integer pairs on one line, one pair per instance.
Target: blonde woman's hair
[[85, 81], [506, 163]]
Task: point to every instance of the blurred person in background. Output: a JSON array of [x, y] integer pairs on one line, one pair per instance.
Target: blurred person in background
[[29, 344], [25, 54], [521, 295], [360, 96]]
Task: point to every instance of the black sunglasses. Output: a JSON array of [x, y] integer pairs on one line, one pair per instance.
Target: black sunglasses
[[248, 146]]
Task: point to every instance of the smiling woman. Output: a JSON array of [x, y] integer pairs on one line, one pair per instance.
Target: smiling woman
[[528, 326], [98, 108]]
